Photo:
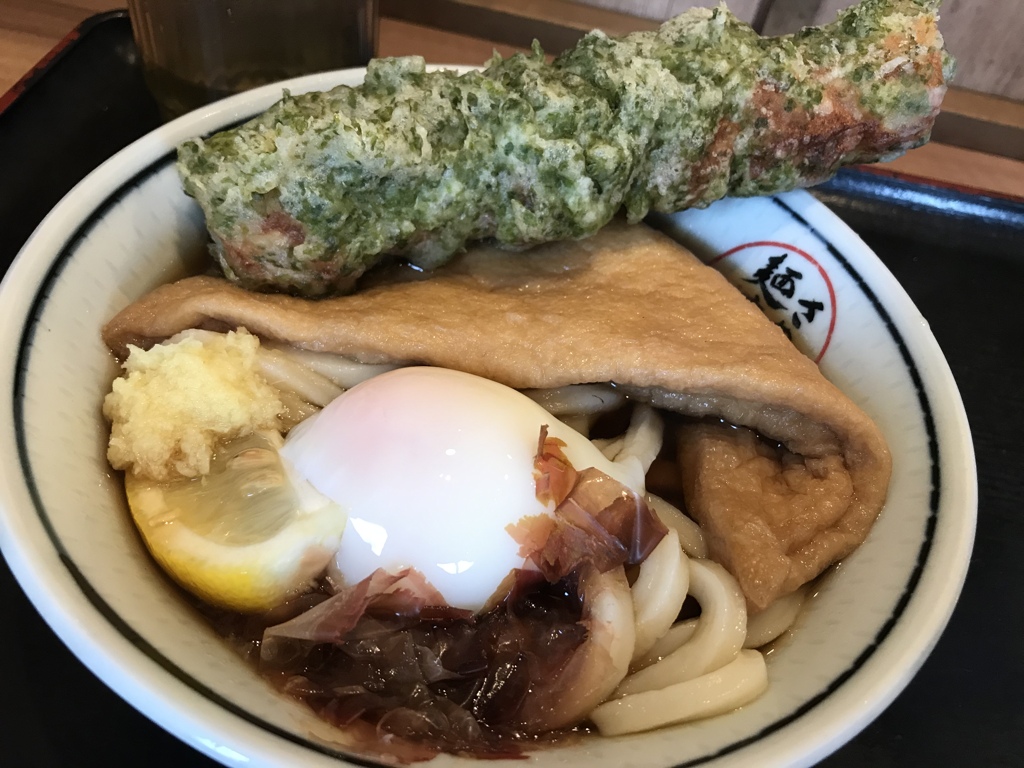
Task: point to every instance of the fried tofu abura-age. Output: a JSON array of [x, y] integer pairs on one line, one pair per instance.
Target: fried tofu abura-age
[[309, 195]]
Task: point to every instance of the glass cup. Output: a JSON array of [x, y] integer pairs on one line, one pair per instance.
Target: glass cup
[[198, 51]]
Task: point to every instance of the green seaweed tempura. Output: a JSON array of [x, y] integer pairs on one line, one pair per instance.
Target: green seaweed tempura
[[309, 195]]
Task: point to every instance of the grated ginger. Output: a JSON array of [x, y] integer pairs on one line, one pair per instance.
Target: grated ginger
[[179, 399]]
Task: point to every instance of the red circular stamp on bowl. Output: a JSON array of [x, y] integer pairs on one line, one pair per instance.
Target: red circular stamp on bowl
[[790, 286]]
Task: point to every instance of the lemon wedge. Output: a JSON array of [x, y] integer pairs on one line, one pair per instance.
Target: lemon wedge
[[247, 536]]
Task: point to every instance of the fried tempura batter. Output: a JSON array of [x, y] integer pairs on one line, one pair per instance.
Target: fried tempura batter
[[307, 196]]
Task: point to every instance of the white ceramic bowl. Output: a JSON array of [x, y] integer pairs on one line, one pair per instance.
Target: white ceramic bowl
[[66, 533]]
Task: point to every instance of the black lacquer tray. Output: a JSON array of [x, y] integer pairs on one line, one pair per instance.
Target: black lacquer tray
[[960, 256]]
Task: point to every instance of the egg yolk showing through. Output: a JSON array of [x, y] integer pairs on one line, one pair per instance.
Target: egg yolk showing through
[[431, 465]]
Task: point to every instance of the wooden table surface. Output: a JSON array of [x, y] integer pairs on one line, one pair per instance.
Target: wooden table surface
[[30, 28]]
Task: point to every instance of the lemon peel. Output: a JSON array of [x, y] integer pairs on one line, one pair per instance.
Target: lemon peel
[[247, 537]]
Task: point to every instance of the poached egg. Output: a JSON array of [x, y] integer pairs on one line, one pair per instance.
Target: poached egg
[[431, 465]]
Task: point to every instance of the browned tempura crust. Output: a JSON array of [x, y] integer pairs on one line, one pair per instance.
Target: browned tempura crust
[[628, 306]]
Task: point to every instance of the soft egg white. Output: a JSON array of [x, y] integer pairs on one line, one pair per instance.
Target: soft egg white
[[431, 465]]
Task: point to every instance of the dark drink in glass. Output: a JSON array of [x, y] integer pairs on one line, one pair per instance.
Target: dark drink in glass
[[198, 51]]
